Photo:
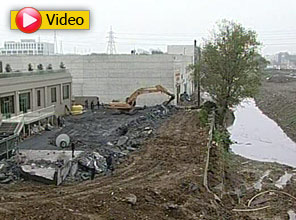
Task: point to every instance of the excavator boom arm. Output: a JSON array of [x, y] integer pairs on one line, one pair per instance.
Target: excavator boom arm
[[131, 100], [133, 97]]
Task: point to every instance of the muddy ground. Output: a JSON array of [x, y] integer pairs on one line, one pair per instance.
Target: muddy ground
[[162, 180], [277, 99]]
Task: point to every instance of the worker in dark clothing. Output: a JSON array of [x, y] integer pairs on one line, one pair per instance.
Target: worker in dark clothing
[[59, 121], [92, 106], [92, 173], [86, 104], [98, 102], [93, 169], [109, 161], [73, 149]]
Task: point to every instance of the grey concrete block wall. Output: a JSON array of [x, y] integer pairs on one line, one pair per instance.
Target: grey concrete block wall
[[112, 77]]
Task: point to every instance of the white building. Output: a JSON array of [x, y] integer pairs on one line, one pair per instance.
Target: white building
[[115, 77], [27, 47]]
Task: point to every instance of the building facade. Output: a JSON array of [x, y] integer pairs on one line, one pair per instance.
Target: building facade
[[29, 101], [27, 47], [115, 77], [26, 92]]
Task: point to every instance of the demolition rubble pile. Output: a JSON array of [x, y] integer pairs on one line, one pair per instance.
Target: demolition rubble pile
[[96, 135], [86, 162], [8, 171], [112, 135], [107, 133]]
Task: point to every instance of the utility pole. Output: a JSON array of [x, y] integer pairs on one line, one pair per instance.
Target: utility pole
[[61, 47], [197, 70], [111, 43], [55, 42]]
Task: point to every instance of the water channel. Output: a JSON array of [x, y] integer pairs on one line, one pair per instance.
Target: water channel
[[259, 138]]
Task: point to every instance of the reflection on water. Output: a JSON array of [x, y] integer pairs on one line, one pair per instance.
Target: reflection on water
[[258, 137]]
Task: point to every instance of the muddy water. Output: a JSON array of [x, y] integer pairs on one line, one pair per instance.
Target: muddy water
[[259, 138]]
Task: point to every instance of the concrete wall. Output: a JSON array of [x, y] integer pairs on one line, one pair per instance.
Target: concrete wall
[[113, 77], [187, 50], [32, 82]]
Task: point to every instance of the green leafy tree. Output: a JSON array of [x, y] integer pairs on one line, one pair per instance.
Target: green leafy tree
[[232, 67]]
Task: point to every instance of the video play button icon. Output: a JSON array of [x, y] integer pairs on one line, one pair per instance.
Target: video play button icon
[[28, 20]]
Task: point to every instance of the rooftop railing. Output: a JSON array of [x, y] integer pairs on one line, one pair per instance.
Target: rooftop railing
[[33, 116], [30, 73]]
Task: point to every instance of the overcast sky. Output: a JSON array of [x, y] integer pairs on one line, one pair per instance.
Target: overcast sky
[[154, 24]]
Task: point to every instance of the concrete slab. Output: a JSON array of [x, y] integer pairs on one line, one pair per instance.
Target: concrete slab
[[47, 173], [41, 166], [49, 155]]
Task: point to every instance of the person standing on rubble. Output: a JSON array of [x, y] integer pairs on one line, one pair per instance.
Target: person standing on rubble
[[93, 169], [92, 106], [86, 104], [59, 121], [109, 161], [98, 102], [73, 149]]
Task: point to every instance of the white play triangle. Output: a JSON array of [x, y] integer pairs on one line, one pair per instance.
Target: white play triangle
[[28, 20]]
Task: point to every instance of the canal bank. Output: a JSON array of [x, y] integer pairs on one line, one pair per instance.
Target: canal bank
[[277, 99], [262, 167], [258, 137]]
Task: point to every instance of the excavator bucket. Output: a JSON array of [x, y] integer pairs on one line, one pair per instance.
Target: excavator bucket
[[169, 101]]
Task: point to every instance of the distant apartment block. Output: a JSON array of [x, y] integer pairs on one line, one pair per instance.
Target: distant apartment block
[[282, 60], [27, 47]]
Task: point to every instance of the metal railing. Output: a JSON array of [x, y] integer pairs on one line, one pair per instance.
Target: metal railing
[[8, 144], [33, 116], [31, 73]]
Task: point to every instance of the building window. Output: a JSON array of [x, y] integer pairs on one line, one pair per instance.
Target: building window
[[66, 91], [7, 105], [25, 103], [38, 98], [54, 94]]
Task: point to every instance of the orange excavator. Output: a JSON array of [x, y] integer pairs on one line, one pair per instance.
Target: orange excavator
[[130, 101]]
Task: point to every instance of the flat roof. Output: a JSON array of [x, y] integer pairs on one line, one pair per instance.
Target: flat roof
[[30, 73]]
